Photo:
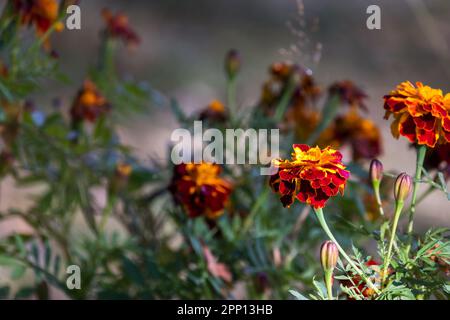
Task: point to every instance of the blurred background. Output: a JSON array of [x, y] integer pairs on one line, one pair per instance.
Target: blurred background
[[183, 44]]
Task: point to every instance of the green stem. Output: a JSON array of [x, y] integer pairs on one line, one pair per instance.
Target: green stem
[[107, 213], [376, 190], [329, 112], [421, 151], [231, 97], [329, 284], [282, 106], [323, 223], [398, 211], [106, 57]]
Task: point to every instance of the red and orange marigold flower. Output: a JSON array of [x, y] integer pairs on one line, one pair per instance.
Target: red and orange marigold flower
[[214, 112], [89, 103], [360, 286], [349, 93], [118, 26], [40, 13], [281, 73], [421, 114], [361, 134], [313, 175], [200, 189]]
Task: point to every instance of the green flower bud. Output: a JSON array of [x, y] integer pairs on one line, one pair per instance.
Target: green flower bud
[[232, 63], [376, 171], [329, 255], [402, 187]]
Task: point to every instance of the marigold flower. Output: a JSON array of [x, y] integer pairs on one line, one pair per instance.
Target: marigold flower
[[40, 13], [312, 176], [89, 103], [306, 121], [282, 73], [349, 93], [215, 111], [200, 189], [117, 26], [360, 286], [421, 114], [361, 133]]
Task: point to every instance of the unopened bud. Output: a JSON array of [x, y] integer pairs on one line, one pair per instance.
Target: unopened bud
[[376, 171], [376, 174], [232, 63], [402, 187], [329, 255]]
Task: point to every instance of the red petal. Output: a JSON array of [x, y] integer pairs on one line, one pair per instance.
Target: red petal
[[303, 147], [407, 128], [426, 137]]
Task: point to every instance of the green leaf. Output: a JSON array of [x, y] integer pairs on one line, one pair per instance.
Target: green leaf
[[8, 261], [18, 272], [298, 295], [24, 293]]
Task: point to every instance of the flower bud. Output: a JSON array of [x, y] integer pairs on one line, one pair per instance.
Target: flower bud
[[329, 255], [402, 187], [376, 171], [232, 63]]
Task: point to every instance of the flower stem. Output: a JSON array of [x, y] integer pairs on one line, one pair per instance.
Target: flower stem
[[282, 106], [107, 213], [329, 284], [387, 260], [323, 223], [231, 96], [376, 190], [421, 150]]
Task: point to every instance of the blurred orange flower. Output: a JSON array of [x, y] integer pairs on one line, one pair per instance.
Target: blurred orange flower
[[89, 103], [312, 176], [118, 26], [281, 74], [215, 112], [360, 286], [40, 13], [360, 133], [349, 93], [200, 189], [124, 170], [421, 114]]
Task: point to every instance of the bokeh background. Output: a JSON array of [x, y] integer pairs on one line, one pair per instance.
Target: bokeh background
[[184, 42]]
